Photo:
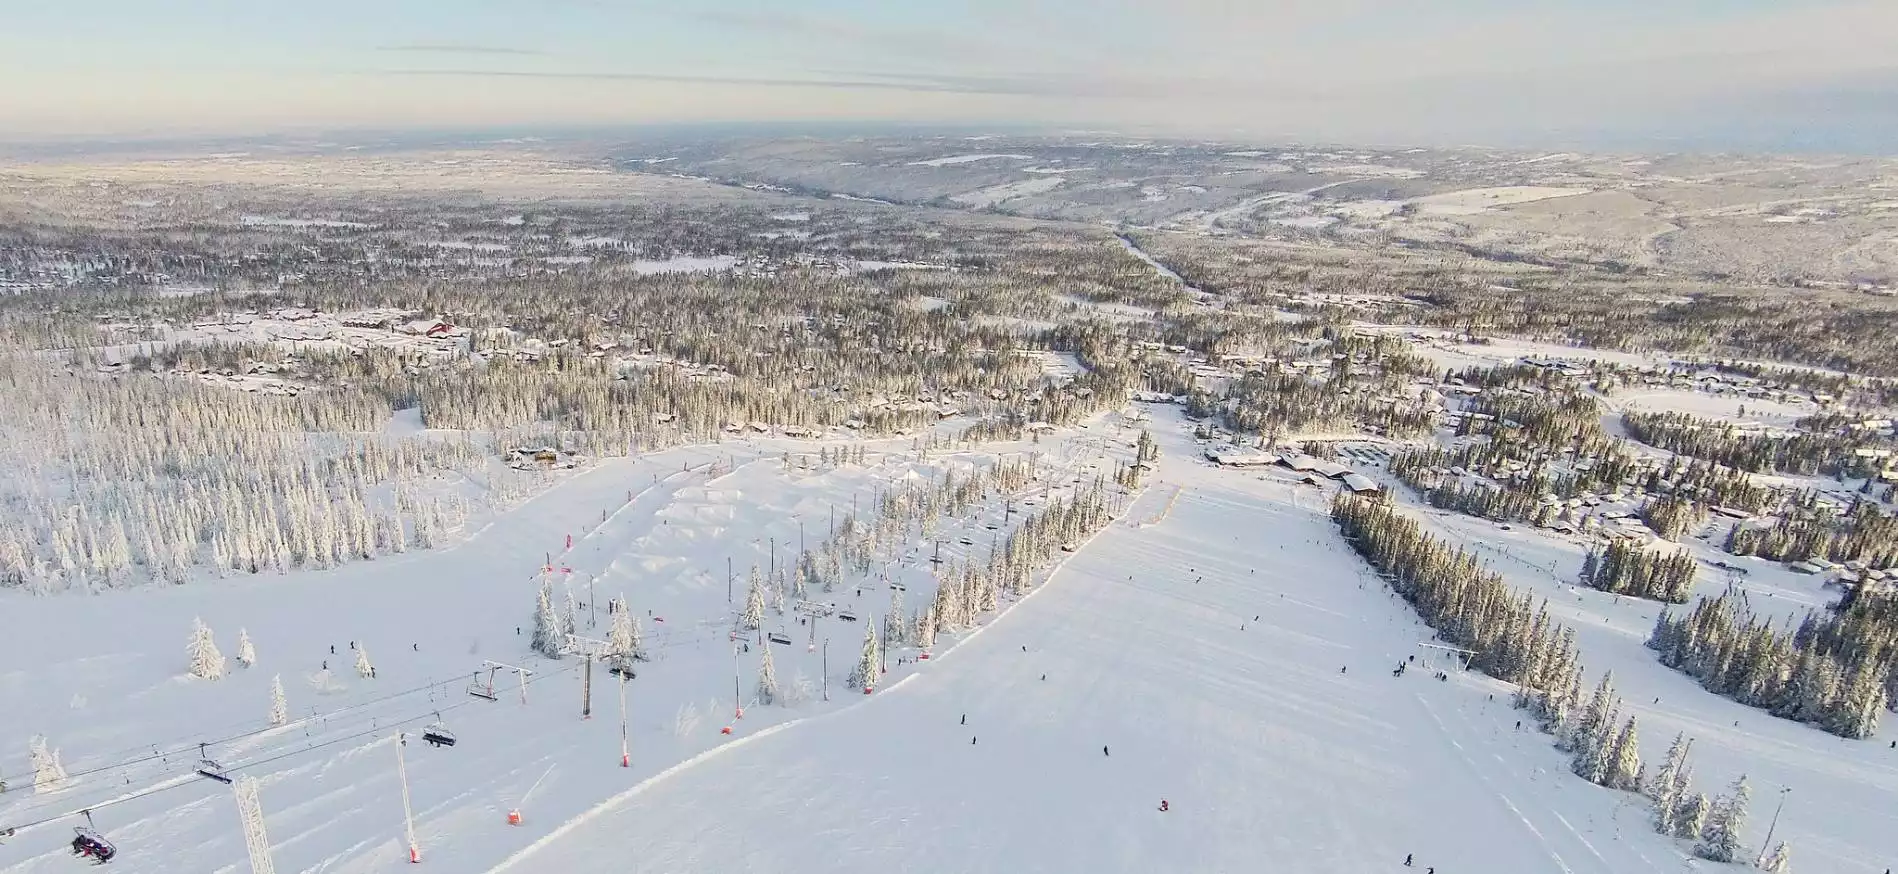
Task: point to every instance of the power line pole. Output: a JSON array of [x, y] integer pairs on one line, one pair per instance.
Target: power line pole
[[251, 814], [1760, 860], [408, 813], [586, 689], [625, 752], [826, 669]]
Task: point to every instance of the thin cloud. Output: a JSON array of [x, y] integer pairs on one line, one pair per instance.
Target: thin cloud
[[455, 49], [883, 85]]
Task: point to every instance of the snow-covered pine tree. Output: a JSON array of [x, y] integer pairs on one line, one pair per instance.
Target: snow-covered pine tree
[[279, 706], [895, 630], [753, 617], [49, 775], [547, 639], [363, 668], [1662, 786], [767, 678], [1598, 764], [206, 662], [864, 675], [1625, 764], [623, 637], [1692, 819], [1720, 838], [246, 653], [1779, 861], [926, 628]]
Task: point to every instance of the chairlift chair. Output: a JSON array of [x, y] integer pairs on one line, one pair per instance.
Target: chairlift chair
[[780, 637], [484, 690], [210, 769], [437, 734], [847, 616], [87, 841], [621, 665]]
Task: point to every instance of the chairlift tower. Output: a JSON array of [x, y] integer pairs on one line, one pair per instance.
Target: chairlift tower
[[251, 813]]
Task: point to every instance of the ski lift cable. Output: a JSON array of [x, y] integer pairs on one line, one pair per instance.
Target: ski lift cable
[[188, 747], [180, 782]]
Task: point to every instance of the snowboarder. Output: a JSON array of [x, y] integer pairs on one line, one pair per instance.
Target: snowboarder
[[416, 647], [1162, 805], [1406, 860], [1044, 676], [965, 719], [332, 649], [1342, 669], [1103, 750], [972, 740]]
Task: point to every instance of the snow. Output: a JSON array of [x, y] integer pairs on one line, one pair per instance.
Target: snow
[[686, 264], [278, 222], [1472, 201], [863, 266], [1724, 407], [1306, 222], [1006, 191], [965, 159], [1266, 753], [1261, 748]]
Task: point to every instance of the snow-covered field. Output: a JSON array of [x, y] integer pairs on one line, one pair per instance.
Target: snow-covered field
[[1218, 648]]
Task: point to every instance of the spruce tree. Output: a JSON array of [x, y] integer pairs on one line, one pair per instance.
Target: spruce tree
[[622, 636], [206, 662], [895, 630], [1625, 768], [279, 706], [547, 639], [767, 678], [48, 774], [864, 675], [1691, 822], [753, 617], [363, 668], [246, 653], [1720, 838]]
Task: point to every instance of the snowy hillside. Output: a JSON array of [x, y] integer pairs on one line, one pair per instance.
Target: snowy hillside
[[1217, 648], [103, 679]]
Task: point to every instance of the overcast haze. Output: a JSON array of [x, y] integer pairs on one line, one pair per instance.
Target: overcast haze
[[1387, 70]]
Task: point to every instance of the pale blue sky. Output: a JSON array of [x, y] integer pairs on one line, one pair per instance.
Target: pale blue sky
[[1417, 70]]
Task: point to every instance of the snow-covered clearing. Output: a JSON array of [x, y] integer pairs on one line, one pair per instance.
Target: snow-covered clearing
[[686, 264], [1006, 191], [1477, 200], [1725, 407], [965, 159]]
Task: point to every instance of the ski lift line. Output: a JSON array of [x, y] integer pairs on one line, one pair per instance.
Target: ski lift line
[[184, 750], [189, 780]]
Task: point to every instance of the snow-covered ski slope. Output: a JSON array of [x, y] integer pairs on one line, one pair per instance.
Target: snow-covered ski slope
[[1269, 757], [103, 677]]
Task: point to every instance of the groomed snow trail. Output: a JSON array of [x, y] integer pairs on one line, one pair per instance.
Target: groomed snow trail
[[1268, 756]]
